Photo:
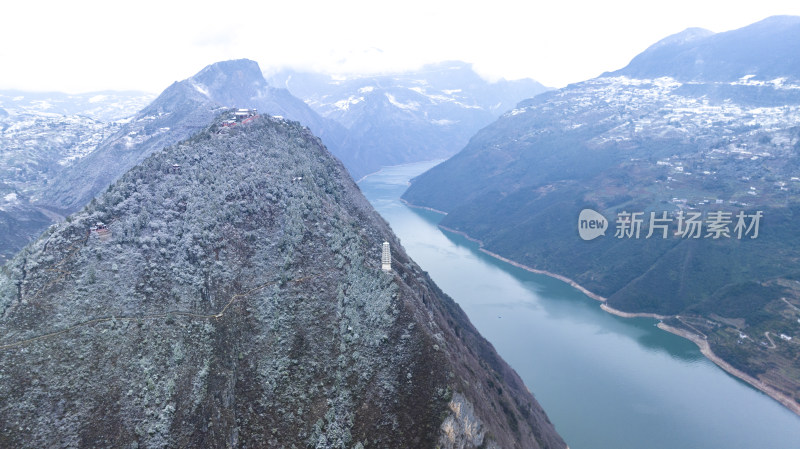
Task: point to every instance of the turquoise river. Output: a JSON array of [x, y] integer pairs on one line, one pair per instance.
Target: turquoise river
[[606, 382]]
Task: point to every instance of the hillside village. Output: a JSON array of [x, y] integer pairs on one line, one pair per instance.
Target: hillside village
[[730, 152]]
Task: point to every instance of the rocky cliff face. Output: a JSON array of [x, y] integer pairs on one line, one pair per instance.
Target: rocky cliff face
[[233, 297]]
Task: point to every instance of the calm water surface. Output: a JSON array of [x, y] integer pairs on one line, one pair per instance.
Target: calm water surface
[[606, 382]]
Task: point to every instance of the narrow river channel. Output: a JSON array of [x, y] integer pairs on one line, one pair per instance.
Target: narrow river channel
[[606, 382]]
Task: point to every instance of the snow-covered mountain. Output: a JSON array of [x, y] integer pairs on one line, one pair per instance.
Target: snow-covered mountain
[[57, 164], [178, 112], [230, 304], [41, 135], [766, 50], [410, 116], [60, 150], [240, 83], [105, 106]]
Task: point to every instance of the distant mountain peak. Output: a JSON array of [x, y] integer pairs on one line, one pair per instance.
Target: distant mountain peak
[[686, 36], [407, 116], [765, 49], [780, 20], [180, 110], [240, 66], [232, 83], [449, 65]]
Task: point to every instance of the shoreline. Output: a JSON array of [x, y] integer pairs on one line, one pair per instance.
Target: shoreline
[[369, 174], [622, 314], [562, 278], [705, 349], [441, 212], [701, 343]]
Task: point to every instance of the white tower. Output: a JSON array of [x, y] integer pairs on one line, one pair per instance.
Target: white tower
[[386, 257]]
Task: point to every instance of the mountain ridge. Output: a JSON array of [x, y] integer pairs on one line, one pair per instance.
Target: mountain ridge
[[78, 173], [184, 107], [221, 305], [63, 174], [104, 105], [723, 57]]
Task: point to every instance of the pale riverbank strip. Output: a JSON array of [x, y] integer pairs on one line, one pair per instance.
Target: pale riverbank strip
[[702, 344], [433, 210], [705, 348]]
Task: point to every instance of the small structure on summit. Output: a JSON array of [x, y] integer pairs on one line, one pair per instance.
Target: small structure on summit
[[99, 227], [386, 257], [175, 168], [102, 231], [242, 114]]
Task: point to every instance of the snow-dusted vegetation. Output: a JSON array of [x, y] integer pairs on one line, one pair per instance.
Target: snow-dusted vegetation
[[227, 291]]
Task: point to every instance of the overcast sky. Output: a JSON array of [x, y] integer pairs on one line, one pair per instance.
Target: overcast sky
[[146, 45]]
